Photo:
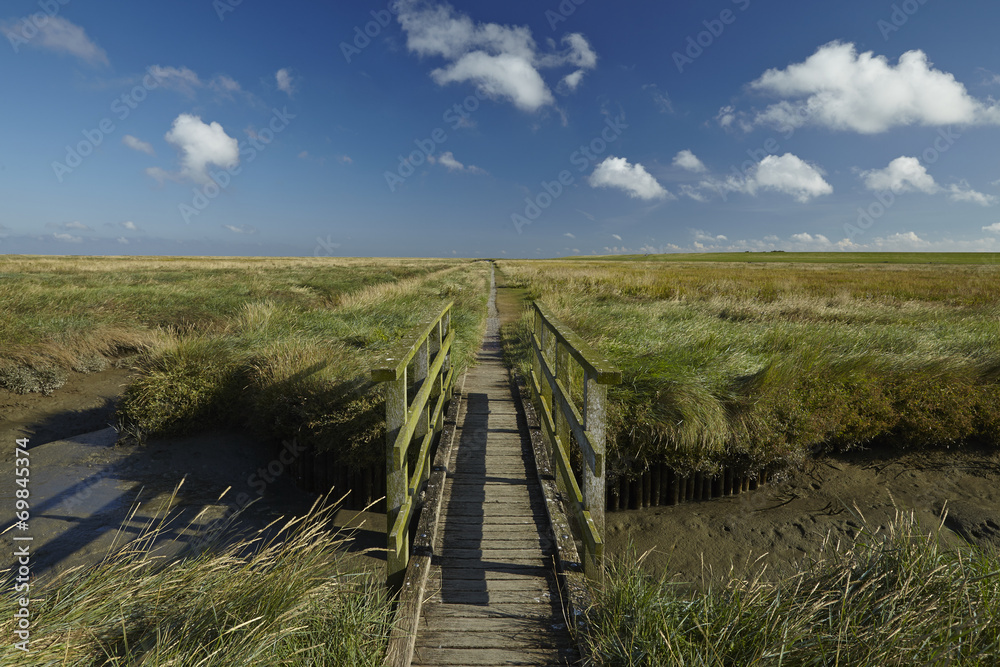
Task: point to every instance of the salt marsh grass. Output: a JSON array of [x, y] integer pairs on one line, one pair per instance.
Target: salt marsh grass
[[294, 598], [893, 597], [761, 364]]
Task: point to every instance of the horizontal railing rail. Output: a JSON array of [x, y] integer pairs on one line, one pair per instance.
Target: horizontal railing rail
[[555, 348], [419, 420]]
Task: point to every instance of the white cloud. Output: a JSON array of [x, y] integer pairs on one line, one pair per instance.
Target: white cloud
[[904, 174], [995, 228], [242, 229], [726, 117], [122, 240], [615, 236], [68, 238], [447, 160], [901, 241], [187, 81], [137, 144], [788, 174], [284, 79], [75, 225], [128, 224], [693, 193], [181, 79], [839, 88], [961, 192], [685, 159], [810, 239], [569, 235], [57, 34], [791, 175], [160, 175], [503, 62], [616, 172], [200, 145]]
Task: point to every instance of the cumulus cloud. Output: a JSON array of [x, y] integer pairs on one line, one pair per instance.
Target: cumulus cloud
[[137, 144], [615, 236], [67, 238], [788, 174], [569, 235], [791, 175], [904, 174], [616, 172], [284, 79], [200, 145], [448, 161], [726, 116], [841, 89], [122, 240], [503, 62], [994, 228], [685, 159], [961, 192], [58, 35], [810, 239]]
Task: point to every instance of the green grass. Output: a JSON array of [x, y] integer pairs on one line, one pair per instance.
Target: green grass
[[294, 599], [281, 346], [82, 313], [286, 371], [893, 598], [761, 365], [813, 257]]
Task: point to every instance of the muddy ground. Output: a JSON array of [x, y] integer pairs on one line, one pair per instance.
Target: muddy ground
[[90, 494]]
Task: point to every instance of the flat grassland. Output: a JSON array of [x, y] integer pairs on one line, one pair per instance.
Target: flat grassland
[[280, 347], [760, 364], [765, 361]]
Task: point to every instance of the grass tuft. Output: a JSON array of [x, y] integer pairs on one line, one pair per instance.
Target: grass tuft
[[894, 597]]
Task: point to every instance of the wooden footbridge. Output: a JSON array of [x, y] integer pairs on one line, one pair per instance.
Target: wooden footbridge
[[490, 572]]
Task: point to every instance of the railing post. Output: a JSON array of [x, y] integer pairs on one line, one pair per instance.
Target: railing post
[[595, 400], [437, 340], [397, 479], [421, 362], [563, 376]]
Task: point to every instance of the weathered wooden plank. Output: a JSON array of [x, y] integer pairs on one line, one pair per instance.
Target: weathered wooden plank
[[476, 657], [493, 639], [538, 612], [479, 624], [519, 584]]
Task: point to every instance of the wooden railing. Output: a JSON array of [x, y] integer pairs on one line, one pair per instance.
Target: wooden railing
[[556, 350], [429, 349]]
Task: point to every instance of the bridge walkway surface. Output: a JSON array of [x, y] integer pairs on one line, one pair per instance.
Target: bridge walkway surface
[[491, 596]]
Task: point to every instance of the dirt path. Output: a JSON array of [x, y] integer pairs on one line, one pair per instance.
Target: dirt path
[[788, 520]]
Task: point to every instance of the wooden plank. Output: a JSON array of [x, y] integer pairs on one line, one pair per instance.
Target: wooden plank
[[493, 639], [538, 612], [476, 657], [478, 624]]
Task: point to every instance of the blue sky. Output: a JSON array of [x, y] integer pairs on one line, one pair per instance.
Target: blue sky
[[518, 129]]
